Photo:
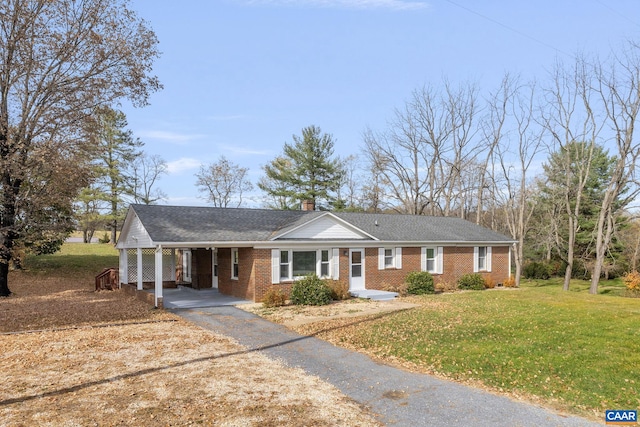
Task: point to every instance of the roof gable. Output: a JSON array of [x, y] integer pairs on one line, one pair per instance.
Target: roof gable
[[324, 227], [133, 234]]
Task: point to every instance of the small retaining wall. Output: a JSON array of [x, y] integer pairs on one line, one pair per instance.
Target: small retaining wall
[[147, 297]]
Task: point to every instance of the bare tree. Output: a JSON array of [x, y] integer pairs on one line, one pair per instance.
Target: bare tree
[[145, 172], [526, 140], [60, 60], [223, 182], [618, 86], [569, 118]]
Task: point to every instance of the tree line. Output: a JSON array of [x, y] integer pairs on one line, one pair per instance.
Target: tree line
[[550, 163]]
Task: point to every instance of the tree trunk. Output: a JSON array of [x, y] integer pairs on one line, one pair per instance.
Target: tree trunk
[[570, 249]]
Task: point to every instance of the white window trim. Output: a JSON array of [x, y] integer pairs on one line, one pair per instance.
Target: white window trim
[[487, 261], [438, 252], [234, 251], [333, 263], [396, 254]]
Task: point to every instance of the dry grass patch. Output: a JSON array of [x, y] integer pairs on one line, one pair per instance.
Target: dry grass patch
[[294, 316], [106, 358], [41, 302], [157, 374]]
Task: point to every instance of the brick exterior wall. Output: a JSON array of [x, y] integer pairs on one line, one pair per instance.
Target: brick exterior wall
[[254, 276]]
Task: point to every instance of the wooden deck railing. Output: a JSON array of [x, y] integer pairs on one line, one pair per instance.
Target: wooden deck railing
[[108, 279]]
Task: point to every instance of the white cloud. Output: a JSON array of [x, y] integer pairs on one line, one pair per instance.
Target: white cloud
[[183, 164], [176, 138], [350, 4]]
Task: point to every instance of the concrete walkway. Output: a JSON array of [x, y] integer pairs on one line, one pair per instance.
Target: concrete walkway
[[399, 397]]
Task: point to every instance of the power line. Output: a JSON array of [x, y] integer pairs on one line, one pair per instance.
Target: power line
[[507, 27]]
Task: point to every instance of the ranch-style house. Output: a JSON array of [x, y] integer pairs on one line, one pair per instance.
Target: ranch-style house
[[243, 252]]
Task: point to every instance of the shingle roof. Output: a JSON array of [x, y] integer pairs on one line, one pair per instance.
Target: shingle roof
[[208, 224]]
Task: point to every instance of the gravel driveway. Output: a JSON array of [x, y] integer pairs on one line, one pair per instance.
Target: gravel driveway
[[400, 398]]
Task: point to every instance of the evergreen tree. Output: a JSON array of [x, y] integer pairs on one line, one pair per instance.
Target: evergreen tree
[[559, 195], [307, 170]]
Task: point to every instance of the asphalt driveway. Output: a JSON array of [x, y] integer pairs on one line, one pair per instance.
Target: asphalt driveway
[[400, 398]]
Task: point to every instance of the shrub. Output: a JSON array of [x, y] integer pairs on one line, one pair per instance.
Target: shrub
[[400, 289], [310, 290], [419, 283], [104, 239], [274, 297], [471, 281], [509, 282], [632, 281], [489, 283], [339, 290], [446, 286], [536, 270]]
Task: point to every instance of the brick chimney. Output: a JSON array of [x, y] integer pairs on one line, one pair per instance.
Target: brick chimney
[[308, 205]]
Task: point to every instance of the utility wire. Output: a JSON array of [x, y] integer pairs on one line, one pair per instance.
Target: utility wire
[[514, 30]]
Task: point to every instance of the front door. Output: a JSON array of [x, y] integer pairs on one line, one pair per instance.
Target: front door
[[356, 269]]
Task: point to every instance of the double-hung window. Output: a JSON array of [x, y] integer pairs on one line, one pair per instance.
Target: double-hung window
[[235, 265], [389, 258], [432, 259], [285, 265], [325, 263], [482, 258], [430, 255]]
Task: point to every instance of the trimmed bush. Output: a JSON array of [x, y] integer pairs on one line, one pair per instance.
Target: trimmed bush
[[536, 270], [310, 290], [471, 281], [419, 283], [274, 297], [489, 283]]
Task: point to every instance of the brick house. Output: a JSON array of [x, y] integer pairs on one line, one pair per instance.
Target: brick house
[[243, 252]]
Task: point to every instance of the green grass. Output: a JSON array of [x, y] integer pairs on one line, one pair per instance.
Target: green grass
[[74, 259], [576, 351]]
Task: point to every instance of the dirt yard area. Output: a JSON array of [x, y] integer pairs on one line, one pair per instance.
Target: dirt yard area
[[75, 357]]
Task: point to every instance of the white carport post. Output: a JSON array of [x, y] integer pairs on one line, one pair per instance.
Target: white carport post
[[123, 272], [158, 293], [139, 270]]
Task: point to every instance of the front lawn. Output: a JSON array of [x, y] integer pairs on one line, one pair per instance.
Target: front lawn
[[570, 350]]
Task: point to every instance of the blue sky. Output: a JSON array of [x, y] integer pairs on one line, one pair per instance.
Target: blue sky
[[242, 76]]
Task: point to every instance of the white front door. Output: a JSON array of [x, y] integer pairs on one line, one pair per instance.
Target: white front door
[[356, 269], [214, 272]]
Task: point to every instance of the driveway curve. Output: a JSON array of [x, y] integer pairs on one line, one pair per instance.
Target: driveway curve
[[398, 397]]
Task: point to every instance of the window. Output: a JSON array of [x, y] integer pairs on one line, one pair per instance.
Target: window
[[234, 263], [388, 258], [284, 265], [304, 263], [482, 258], [290, 264], [431, 260], [324, 263]]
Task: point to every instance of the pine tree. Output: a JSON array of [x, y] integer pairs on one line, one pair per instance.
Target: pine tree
[[307, 171]]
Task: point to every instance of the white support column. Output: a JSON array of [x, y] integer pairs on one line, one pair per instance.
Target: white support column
[[123, 270], [139, 270], [158, 265]]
